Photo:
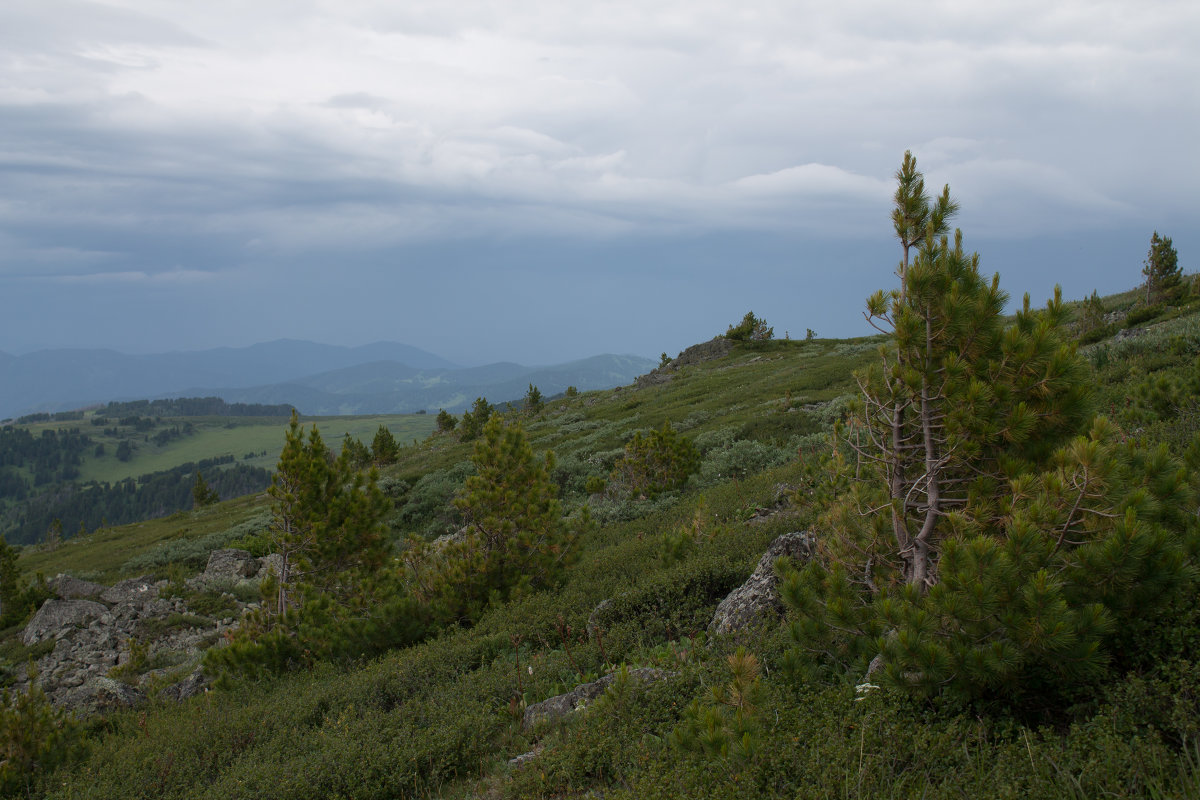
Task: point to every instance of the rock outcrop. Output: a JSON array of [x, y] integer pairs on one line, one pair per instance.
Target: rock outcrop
[[715, 348], [561, 706], [758, 598], [93, 629]]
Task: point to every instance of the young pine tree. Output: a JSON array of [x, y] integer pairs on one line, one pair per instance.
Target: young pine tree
[[1161, 269], [997, 538], [517, 541], [384, 449]]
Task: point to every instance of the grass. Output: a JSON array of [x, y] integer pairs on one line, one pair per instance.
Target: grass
[[236, 436], [102, 555]]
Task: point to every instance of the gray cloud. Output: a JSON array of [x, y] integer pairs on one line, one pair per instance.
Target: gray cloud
[[151, 144]]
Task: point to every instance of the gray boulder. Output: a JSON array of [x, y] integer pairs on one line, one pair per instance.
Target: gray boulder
[[560, 706], [190, 686], [758, 598], [71, 588], [102, 694], [270, 563], [133, 590], [231, 564], [59, 615]]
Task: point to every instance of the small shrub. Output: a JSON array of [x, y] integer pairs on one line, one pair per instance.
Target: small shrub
[[657, 462]]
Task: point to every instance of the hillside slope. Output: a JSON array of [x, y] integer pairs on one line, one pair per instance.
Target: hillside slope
[[443, 718]]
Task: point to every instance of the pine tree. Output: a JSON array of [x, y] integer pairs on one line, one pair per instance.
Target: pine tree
[[325, 517], [998, 538], [474, 420], [384, 449], [446, 421], [203, 494], [356, 452], [518, 541], [1161, 269], [534, 402]]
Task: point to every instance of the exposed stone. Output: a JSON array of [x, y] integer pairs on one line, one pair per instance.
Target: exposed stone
[[190, 686], [102, 694], [758, 597], [525, 758], [231, 564], [718, 347], [599, 616], [71, 588], [272, 562], [131, 590], [57, 615], [715, 348], [556, 708], [91, 638]]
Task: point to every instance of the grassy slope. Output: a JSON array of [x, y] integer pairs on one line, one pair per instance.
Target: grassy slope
[[221, 436], [437, 720]]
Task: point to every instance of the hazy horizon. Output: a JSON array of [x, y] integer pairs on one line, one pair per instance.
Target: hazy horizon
[[540, 183]]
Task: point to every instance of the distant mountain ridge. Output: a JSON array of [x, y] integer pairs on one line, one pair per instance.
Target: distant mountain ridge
[[383, 377], [394, 388]]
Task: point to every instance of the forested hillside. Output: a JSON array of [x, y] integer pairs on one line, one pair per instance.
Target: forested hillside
[[989, 526]]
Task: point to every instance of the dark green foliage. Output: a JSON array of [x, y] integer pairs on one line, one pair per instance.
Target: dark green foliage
[[124, 450], [34, 738], [1004, 557], [384, 449], [193, 407], [473, 421], [325, 601], [19, 597], [202, 493], [656, 462], [446, 421], [534, 402], [131, 500], [517, 541], [356, 452], [727, 725], [750, 329], [1161, 269]]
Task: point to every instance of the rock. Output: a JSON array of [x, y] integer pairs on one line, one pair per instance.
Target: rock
[[132, 590], [70, 588], [231, 564], [102, 694], [556, 708], [718, 347], [696, 354], [267, 564], [190, 686], [57, 615], [599, 616], [525, 758], [758, 597]]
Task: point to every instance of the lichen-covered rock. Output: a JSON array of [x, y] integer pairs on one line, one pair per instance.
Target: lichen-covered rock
[[133, 590], [102, 694], [69, 587], [190, 686], [558, 707], [268, 564], [231, 564], [57, 615], [758, 597]]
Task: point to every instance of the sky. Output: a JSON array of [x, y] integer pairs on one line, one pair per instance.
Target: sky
[[543, 181]]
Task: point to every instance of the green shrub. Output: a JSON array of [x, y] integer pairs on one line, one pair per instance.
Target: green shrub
[[654, 463]]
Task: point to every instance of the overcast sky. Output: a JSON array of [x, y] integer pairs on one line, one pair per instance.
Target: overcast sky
[[541, 181]]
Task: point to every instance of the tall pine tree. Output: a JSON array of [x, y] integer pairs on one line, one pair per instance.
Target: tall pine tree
[[998, 537]]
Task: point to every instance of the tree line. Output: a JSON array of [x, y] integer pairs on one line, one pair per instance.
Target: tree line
[[74, 508]]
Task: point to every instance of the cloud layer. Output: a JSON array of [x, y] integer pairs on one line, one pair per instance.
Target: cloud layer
[[152, 144]]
